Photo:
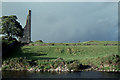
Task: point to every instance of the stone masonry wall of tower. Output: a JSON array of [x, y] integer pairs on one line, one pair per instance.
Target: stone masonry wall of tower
[[27, 30]]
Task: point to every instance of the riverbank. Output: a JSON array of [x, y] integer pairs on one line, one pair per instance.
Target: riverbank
[[65, 57], [57, 65]]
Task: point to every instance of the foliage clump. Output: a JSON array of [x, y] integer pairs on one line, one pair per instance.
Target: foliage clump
[[6, 40], [10, 26], [73, 65], [15, 63], [59, 50], [40, 41], [71, 50], [112, 61]]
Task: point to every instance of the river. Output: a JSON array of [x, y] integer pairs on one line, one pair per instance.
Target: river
[[83, 74]]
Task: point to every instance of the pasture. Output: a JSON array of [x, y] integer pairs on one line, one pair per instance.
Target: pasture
[[91, 52]]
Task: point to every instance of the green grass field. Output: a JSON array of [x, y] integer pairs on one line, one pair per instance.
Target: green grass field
[[90, 52]]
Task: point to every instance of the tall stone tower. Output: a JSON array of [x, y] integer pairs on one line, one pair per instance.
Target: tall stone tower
[[27, 30]]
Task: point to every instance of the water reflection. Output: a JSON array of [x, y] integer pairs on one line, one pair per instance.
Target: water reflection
[[84, 74]]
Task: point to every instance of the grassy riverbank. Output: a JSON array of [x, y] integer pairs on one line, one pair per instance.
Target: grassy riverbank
[[72, 56]]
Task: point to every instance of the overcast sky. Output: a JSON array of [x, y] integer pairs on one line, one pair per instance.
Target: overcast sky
[[68, 21]]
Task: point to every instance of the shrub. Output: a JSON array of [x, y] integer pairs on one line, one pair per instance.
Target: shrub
[[111, 59], [15, 63], [40, 41], [31, 41], [58, 50], [52, 44], [73, 65], [71, 50], [67, 44]]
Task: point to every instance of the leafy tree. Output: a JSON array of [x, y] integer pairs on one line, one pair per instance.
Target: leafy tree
[[10, 26]]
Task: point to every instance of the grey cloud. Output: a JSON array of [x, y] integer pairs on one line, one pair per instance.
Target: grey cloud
[[69, 22]]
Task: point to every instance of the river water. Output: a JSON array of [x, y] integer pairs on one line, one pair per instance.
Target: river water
[[83, 74]]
